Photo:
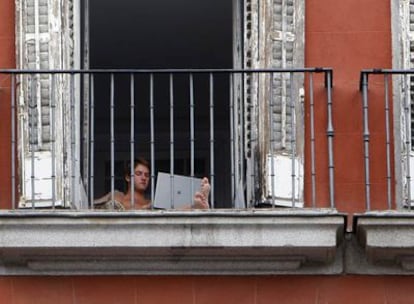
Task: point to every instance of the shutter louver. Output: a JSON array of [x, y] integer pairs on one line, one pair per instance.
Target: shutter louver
[[283, 48], [250, 41], [45, 42], [37, 88], [71, 31]]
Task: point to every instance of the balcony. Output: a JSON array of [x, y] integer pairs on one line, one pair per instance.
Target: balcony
[[168, 242], [73, 132], [385, 230]]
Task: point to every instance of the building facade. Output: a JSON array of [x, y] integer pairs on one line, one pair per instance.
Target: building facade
[[299, 112]]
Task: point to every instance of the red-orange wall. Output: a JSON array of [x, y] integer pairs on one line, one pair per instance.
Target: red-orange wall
[[7, 60], [346, 35], [207, 290], [349, 36]]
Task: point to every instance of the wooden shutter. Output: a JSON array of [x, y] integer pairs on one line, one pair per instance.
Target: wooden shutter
[[46, 40], [274, 34], [411, 63], [403, 47], [407, 17]]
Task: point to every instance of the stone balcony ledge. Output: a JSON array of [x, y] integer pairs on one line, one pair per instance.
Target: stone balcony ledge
[[387, 238], [275, 241]]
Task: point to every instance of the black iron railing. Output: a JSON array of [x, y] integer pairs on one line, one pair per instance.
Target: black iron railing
[[73, 131], [396, 88]]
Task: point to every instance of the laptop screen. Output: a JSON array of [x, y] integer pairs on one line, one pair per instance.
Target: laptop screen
[[175, 191]]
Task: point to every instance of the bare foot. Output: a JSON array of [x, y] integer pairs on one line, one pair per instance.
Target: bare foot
[[200, 201], [205, 188]]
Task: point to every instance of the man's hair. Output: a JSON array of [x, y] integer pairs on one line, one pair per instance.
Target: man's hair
[[137, 161]]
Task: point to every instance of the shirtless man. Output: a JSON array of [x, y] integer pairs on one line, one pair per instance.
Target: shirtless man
[[141, 178]]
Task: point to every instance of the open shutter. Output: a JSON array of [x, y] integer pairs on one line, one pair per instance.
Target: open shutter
[[274, 129], [403, 58], [285, 157], [410, 65], [46, 41]]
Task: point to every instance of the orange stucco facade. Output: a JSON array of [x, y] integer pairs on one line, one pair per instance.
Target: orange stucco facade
[[350, 36], [7, 60], [200, 290], [346, 35]]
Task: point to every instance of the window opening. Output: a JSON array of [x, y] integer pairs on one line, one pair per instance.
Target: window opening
[[158, 34]]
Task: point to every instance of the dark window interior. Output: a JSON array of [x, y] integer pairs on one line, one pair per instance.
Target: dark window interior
[[160, 34]]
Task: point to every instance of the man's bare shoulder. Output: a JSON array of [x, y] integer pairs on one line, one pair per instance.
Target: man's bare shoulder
[[106, 202]]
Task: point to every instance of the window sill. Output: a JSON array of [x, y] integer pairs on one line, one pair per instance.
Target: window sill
[[286, 241]]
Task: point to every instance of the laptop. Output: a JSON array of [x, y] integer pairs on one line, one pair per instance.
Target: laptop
[[175, 191]]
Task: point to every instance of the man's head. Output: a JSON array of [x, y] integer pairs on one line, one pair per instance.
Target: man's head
[[140, 174]]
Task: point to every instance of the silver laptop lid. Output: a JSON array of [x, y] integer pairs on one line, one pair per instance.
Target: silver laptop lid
[[175, 191]]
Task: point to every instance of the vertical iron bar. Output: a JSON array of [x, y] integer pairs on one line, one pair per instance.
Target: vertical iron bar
[[84, 127], [212, 173], [388, 143], [13, 139], [92, 138], [258, 175], [366, 139], [236, 124], [53, 139], [407, 111], [32, 137], [232, 165], [132, 140], [72, 135], [258, 28], [191, 79], [272, 141], [172, 140], [253, 141], [151, 88], [112, 137], [330, 134], [312, 139], [240, 110], [84, 56], [236, 137], [293, 138]]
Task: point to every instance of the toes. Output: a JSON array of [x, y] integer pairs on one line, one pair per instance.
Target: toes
[[205, 187], [200, 201]]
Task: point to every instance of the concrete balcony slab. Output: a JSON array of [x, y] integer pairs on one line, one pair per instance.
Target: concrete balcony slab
[[285, 241], [387, 241]]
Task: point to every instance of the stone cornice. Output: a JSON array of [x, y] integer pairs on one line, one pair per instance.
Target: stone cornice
[[387, 240], [286, 241]]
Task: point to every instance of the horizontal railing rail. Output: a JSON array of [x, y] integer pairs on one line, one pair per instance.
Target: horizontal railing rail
[[325, 71], [73, 132]]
